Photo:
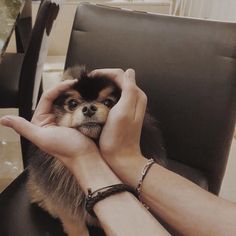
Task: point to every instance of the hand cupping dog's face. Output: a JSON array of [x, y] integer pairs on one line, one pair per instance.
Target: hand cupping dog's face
[[87, 104]]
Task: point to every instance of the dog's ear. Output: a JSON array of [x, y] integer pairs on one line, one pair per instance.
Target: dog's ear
[[76, 72]]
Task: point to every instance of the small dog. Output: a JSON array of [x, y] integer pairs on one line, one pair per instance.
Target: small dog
[[84, 107]]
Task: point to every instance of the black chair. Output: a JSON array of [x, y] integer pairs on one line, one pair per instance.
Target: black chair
[[187, 69], [20, 73], [23, 27]]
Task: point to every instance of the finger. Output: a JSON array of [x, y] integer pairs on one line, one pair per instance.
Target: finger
[[114, 74], [22, 127], [129, 88], [45, 103], [128, 100], [141, 98], [130, 74]]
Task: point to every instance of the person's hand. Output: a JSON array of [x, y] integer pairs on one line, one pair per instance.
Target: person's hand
[[120, 137], [64, 143]]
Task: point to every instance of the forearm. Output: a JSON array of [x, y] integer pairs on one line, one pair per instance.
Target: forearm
[[188, 208], [119, 214], [92, 172], [122, 214]]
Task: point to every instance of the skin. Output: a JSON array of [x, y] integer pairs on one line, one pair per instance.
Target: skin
[[188, 208], [120, 214]]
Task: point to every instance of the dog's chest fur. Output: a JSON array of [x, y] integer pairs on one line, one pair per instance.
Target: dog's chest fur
[[55, 189]]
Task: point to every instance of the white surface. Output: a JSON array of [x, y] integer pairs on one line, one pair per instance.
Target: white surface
[[207, 9], [228, 189]]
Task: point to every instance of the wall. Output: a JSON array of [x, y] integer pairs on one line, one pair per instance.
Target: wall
[[208, 9], [62, 28], [61, 33]]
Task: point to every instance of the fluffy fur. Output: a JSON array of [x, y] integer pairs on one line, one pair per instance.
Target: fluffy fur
[[85, 107]]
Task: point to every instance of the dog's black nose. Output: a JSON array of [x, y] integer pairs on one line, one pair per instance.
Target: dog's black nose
[[89, 110]]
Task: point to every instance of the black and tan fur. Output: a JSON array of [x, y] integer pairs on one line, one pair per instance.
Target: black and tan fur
[[84, 107]]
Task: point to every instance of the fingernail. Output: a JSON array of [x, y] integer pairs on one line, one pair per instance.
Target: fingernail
[[73, 81], [91, 74], [130, 73]]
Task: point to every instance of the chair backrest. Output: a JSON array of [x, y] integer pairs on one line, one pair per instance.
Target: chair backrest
[[187, 68], [32, 67], [35, 56]]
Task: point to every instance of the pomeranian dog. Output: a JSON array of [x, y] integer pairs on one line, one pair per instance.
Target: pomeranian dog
[[84, 107]]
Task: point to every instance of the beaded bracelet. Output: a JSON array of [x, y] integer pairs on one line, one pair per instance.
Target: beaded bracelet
[[93, 197], [144, 172]]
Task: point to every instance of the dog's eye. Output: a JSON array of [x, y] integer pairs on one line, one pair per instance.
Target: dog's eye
[[108, 102], [72, 104]]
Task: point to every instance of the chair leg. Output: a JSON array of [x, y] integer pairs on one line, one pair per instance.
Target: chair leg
[[22, 32], [25, 112], [40, 91], [24, 27], [24, 150]]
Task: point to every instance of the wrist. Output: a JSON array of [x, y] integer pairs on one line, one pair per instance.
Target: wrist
[[91, 171], [128, 168], [94, 197]]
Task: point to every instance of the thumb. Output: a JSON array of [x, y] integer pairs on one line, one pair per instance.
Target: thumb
[[22, 127]]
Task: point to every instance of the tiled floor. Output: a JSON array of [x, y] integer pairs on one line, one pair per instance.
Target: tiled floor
[[10, 155]]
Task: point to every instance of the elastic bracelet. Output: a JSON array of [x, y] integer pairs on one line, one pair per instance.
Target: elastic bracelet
[[144, 172], [93, 197]]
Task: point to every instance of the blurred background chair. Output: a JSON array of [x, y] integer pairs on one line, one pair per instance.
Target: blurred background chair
[[187, 69], [23, 27], [20, 73]]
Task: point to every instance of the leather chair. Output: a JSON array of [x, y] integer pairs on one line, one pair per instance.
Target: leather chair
[[187, 69], [20, 73]]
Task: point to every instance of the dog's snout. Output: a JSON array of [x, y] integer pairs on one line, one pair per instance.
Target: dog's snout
[[89, 110]]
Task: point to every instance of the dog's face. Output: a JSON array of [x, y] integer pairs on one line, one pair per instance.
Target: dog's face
[[87, 104]]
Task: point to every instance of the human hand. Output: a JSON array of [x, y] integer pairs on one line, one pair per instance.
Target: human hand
[[64, 143], [120, 137]]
